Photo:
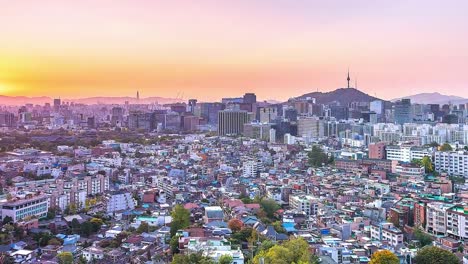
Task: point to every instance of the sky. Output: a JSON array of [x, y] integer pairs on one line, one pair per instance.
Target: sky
[[208, 49]]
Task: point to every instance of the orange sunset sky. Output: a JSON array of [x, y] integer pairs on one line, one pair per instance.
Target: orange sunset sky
[[210, 49]]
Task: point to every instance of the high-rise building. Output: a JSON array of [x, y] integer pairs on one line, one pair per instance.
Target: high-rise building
[[7, 119], [377, 150], [231, 122], [453, 162], [117, 116], [272, 135], [377, 106], [339, 112], [402, 111], [257, 130], [290, 114], [209, 112], [57, 103], [310, 127], [190, 122], [31, 206], [249, 98], [191, 105], [267, 114], [140, 120]]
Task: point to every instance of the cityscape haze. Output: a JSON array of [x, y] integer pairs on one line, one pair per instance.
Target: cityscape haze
[[233, 132]]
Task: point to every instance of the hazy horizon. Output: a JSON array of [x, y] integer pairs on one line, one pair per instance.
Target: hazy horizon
[[213, 49]]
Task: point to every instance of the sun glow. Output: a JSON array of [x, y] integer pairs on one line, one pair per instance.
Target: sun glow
[[5, 89]]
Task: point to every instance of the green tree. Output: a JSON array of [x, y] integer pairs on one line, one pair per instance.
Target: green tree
[[65, 258], [194, 258], [86, 229], [243, 235], [446, 147], [266, 245], [293, 251], [384, 257], [317, 157], [174, 243], [426, 162], [7, 219], [51, 213], [435, 255], [180, 219], [278, 227], [96, 223], [225, 259], [144, 227], [423, 238], [75, 225], [54, 241], [6, 259], [82, 260], [270, 207], [42, 238]]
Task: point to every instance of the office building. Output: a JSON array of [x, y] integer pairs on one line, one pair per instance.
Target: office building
[[119, 202], [402, 111], [453, 162], [377, 150], [406, 153], [387, 232], [257, 131], [27, 206], [304, 203], [267, 114], [231, 122]]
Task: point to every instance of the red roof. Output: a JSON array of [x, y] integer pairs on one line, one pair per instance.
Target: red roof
[[190, 206], [253, 206]]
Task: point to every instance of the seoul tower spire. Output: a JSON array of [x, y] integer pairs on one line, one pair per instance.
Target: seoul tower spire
[[349, 79]]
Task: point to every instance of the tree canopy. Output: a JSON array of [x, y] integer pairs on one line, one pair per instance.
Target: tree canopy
[[292, 251], [446, 147], [435, 255], [384, 257], [317, 157], [423, 238], [65, 258], [180, 219], [235, 225], [225, 259], [269, 207], [194, 258]]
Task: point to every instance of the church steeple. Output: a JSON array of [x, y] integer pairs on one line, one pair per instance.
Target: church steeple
[[349, 79]]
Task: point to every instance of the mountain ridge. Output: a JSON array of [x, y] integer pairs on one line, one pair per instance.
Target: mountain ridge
[[342, 95], [433, 98], [21, 100]]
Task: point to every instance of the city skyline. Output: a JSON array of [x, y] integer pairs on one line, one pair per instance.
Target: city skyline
[[211, 50]]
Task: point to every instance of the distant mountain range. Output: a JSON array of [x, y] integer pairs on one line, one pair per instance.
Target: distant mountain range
[[342, 95], [21, 100], [434, 98]]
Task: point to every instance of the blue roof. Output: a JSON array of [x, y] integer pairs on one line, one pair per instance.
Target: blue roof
[[289, 227], [176, 173], [217, 224]]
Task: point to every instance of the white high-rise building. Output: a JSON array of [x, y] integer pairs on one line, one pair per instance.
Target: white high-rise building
[[27, 206], [407, 153], [250, 168], [453, 162], [119, 202], [304, 203], [272, 135]]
